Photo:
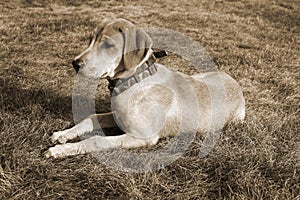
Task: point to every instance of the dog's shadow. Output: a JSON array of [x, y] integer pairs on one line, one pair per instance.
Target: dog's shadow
[[16, 99], [20, 100], [19, 96]]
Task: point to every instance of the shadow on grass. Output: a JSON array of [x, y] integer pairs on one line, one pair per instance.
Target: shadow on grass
[[14, 98], [19, 92]]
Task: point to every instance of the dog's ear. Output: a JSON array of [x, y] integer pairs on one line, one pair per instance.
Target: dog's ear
[[136, 45]]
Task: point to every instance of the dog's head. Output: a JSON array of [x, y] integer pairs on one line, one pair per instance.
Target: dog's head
[[115, 51]]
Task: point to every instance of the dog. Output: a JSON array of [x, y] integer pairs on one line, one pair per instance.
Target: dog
[[150, 100]]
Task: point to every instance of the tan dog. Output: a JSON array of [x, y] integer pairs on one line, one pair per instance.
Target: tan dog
[[150, 100]]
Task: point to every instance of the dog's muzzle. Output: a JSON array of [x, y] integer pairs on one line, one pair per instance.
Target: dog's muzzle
[[77, 64]]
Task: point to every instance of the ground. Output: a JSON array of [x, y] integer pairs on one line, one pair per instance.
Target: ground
[[257, 42]]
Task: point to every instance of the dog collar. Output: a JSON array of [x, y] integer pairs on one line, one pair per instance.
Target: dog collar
[[147, 69]]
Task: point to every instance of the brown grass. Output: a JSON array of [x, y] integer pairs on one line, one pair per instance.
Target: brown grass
[[256, 42]]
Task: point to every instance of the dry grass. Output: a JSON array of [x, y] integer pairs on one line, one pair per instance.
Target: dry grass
[[256, 42]]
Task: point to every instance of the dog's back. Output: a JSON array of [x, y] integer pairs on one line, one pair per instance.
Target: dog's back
[[175, 102]]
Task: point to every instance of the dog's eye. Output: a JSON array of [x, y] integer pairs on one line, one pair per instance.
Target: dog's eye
[[108, 44]]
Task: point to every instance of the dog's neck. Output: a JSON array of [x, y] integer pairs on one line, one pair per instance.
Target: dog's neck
[[143, 70]]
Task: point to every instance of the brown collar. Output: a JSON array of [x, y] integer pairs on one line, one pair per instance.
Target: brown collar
[[147, 69]]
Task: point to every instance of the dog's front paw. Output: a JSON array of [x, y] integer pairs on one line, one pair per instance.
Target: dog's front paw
[[61, 151], [52, 153], [56, 137], [62, 139]]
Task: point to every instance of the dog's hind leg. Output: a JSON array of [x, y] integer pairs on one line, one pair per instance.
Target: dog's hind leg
[[95, 121]]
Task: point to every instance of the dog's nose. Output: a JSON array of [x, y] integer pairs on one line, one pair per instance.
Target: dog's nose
[[77, 64]]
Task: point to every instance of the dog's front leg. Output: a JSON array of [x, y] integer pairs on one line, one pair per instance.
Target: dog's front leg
[[95, 121], [98, 143]]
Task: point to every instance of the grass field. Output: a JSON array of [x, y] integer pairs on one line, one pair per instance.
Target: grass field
[[257, 42]]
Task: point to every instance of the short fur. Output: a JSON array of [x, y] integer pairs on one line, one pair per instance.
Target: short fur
[[161, 105]]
